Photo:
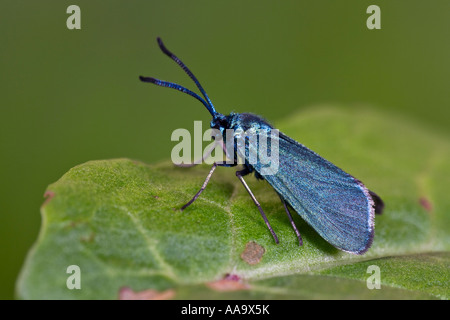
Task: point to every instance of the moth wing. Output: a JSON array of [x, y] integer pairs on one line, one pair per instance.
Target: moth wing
[[337, 205]]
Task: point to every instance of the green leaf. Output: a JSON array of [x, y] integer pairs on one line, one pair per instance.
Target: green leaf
[[119, 221]]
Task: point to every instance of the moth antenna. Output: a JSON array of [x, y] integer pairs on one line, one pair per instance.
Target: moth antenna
[[188, 72], [175, 86]]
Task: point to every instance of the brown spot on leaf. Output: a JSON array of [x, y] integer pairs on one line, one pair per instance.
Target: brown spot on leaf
[[126, 293], [426, 204], [252, 253], [229, 283], [73, 224], [230, 276], [48, 195], [89, 238]]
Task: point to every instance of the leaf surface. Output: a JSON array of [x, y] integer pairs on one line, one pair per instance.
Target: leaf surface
[[119, 221]]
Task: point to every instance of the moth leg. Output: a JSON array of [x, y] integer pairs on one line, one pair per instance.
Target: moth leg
[[208, 177], [240, 175], [299, 237], [214, 166]]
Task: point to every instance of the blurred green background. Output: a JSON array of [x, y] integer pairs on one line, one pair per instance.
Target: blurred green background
[[69, 96]]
